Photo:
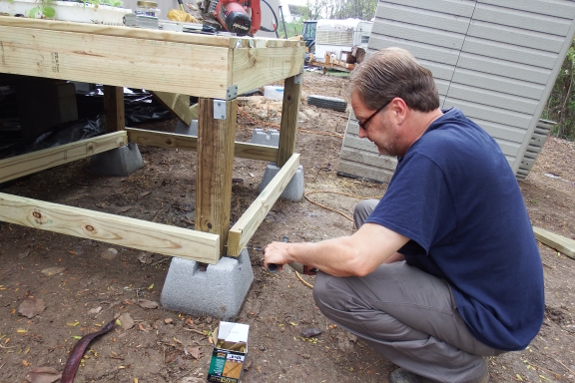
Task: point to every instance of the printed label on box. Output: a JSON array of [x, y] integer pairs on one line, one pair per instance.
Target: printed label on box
[[226, 366]]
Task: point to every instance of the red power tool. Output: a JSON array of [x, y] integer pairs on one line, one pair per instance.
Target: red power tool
[[240, 17]]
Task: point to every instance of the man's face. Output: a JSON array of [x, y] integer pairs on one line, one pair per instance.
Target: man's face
[[379, 129]]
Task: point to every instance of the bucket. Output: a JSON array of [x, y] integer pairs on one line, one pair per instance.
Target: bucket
[[273, 92]]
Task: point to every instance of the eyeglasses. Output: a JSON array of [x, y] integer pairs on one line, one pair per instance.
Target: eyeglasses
[[363, 124]]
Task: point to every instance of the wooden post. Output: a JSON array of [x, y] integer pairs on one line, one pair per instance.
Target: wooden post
[[114, 108], [215, 165], [290, 111]]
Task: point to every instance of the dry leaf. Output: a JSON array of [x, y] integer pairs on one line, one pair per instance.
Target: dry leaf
[[53, 270], [43, 375], [24, 254], [168, 320], [145, 258], [147, 304], [126, 321], [31, 307], [194, 352], [191, 379], [110, 254], [95, 310]]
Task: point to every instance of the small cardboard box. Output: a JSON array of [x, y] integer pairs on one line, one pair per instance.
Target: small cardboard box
[[231, 347]]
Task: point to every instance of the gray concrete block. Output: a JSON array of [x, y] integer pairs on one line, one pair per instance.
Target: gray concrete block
[[191, 130], [218, 291], [118, 162], [294, 190], [269, 138]]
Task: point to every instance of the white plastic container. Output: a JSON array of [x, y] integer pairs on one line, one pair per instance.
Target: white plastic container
[[274, 92], [70, 11]]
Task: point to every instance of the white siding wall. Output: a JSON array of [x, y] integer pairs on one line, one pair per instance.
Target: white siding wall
[[496, 60]]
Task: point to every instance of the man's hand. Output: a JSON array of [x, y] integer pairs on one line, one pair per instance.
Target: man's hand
[[277, 253]]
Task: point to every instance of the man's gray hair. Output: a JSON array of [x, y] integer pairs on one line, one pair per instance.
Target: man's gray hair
[[394, 72]]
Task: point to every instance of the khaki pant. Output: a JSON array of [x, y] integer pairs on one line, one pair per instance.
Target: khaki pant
[[407, 315]]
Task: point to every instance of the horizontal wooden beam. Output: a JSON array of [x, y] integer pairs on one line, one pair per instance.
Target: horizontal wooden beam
[[164, 66], [255, 67], [148, 34], [182, 141], [556, 241], [110, 228], [25, 164], [243, 230]]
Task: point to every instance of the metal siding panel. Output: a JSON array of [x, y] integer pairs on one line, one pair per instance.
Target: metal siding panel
[[508, 148], [507, 133], [498, 83], [452, 7], [419, 50], [423, 18], [503, 68], [420, 34], [494, 99], [514, 36], [562, 9], [508, 52], [488, 113], [522, 20]]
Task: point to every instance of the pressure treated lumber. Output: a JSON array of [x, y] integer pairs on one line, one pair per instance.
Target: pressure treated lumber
[[179, 104], [118, 61], [185, 142], [255, 67], [556, 241], [114, 119], [215, 168], [148, 34], [149, 61], [110, 228], [290, 112], [243, 230], [25, 164]]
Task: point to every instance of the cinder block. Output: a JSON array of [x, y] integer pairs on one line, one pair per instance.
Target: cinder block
[[191, 130], [271, 138], [118, 162], [294, 190], [218, 291]]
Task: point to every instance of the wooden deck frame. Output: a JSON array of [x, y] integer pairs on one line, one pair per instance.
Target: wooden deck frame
[[26, 164], [185, 142], [172, 65], [110, 228], [243, 230]]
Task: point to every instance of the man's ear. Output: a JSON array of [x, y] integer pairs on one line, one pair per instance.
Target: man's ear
[[399, 109]]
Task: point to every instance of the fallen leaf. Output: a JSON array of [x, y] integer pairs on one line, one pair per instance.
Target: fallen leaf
[[73, 324], [126, 321], [31, 307], [151, 287], [23, 255], [168, 320], [191, 379], [53, 270], [25, 363], [21, 331], [110, 254], [43, 375], [77, 337], [95, 310], [147, 304], [311, 332], [145, 258], [194, 352]]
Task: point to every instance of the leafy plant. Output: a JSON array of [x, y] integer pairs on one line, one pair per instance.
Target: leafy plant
[[45, 7]]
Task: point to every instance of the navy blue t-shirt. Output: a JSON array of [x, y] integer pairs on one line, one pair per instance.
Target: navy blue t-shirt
[[456, 198]]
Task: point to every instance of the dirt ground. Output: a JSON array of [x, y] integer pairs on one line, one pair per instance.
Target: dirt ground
[[96, 280]]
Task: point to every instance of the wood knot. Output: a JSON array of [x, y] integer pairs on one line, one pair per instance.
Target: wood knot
[[90, 228], [169, 141], [37, 215]]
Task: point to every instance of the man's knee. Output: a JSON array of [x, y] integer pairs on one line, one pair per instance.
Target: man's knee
[[362, 210], [326, 296]]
